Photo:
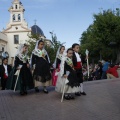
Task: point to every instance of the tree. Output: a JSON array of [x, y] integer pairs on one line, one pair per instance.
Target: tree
[[32, 42], [97, 37], [53, 49]]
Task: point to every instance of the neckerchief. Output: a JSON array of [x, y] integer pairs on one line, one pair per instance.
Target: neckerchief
[[22, 57], [39, 53], [69, 61]]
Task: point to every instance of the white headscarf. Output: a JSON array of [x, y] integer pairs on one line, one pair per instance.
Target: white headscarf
[[64, 56], [58, 52], [36, 48], [20, 50]]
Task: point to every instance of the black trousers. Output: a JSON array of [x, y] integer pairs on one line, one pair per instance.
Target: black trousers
[[79, 75], [3, 83]]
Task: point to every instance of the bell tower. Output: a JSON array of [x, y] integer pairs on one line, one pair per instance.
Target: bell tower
[[16, 11], [17, 14]]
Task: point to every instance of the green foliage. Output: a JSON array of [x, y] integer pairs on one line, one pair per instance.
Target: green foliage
[[53, 49], [32, 42], [97, 37]]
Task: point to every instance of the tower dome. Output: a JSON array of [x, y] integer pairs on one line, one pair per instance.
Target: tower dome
[[37, 30]]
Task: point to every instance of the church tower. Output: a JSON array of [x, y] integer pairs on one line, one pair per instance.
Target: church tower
[[17, 14], [17, 30]]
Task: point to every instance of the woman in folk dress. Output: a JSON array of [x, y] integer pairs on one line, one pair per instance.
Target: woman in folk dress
[[23, 80], [41, 65]]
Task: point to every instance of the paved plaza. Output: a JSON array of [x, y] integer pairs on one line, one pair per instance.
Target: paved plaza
[[101, 103]]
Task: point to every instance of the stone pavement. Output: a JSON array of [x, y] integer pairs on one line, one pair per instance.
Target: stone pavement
[[101, 103]]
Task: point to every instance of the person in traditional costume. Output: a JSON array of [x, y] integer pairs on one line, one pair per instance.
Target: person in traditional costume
[[67, 81], [77, 62], [57, 64], [5, 70], [41, 67], [21, 78]]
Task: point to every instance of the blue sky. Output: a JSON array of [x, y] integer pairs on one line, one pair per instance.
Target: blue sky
[[67, 18]]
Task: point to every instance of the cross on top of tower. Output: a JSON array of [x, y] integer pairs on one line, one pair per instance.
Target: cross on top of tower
[[35, 21]]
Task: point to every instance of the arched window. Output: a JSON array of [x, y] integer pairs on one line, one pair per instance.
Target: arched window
[[16, 6]]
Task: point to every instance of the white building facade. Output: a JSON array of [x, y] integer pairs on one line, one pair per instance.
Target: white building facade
[[17, 31]]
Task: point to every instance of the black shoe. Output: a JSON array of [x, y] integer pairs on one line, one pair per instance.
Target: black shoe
[[67, 97], [83, 93], [36, 90], [78, 94], [72, 97], [22, 93], [45, 91], [2, 88], [25, 92]]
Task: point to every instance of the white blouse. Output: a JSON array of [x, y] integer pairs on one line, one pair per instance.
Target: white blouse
[[78, 57], [6, 71]]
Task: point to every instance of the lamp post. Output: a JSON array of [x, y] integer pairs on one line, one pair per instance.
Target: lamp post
[[112, 45], [100, 52]]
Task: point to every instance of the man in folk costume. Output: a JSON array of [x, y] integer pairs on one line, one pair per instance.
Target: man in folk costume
[[41, 66], [5, 69], [77, 62]]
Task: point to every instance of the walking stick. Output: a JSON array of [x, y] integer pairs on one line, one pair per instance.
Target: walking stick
[[17, 73], [65, 82], [87, 52], [63, 91]]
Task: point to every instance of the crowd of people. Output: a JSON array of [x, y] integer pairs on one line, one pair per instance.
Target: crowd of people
[[67, 76], [102, 70]]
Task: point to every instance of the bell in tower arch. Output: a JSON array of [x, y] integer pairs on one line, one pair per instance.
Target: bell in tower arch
[[14, 17], [19, 18], [16, 6]]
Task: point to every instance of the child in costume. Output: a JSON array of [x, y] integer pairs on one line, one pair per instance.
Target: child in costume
[[21, 78], [67, 76], [5, 70], [77, 62], [57, 64], [41, 65]]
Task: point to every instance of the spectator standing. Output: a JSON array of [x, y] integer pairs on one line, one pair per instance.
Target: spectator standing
[[104, 69]]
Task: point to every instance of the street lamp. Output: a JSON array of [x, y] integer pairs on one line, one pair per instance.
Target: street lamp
[[112, 45]]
